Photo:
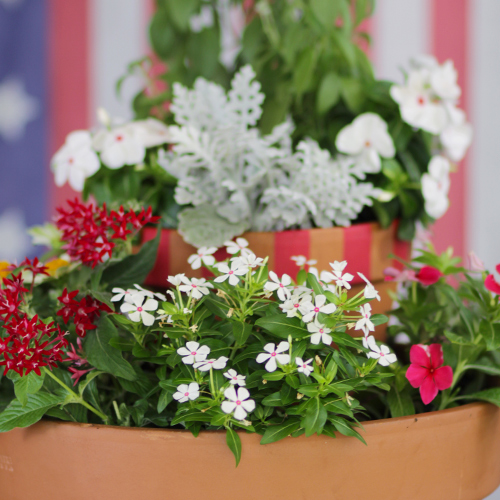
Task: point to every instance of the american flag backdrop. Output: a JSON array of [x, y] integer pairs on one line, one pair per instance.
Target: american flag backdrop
[[60, 59]]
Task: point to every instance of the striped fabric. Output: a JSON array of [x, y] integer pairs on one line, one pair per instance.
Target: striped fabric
[[68, 54]]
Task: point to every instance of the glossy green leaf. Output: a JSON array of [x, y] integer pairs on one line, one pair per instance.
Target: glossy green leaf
[[274, 433], [234, 443]]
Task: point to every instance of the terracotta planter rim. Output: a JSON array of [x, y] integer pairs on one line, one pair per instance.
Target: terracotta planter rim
[[368, 424]]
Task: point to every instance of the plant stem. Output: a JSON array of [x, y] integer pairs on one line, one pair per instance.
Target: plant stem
[[78, 399]]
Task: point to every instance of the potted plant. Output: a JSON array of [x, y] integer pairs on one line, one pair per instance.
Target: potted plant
[[242, 358]]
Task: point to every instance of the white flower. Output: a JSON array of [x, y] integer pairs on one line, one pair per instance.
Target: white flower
[[240, 245], [366, 139], [205, 19], [338, 267], [301, 261], [193, 352], [417, 103], [176, 280], [150, 132], [297, 303], [216, 364], [319, 333], [138, 311], [187, 392], [304, 366], [280, 286], [119, 146], [75, 161], [435, 187], [457, 136], [196, 288], [230, 274], [365, 323], [122, 294], [326, 277], [337, 276], [234, 378], [369, 292], [203, 255], [238, 402], [382, 353], [249, 260], [273, 354], [443, 80], [318, 307]]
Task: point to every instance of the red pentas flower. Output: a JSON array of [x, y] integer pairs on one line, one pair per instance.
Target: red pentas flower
[[83, 312], [428, 275], [426, 371], [88, 230], [491, 283], [26, 344]]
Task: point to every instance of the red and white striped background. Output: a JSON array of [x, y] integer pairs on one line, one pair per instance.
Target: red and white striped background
[[93, 40]]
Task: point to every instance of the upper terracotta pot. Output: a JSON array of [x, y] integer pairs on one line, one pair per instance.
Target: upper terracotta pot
[[447, 455], [366, 247]]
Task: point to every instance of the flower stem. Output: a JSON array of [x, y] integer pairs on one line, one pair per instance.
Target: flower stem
[[78, 399]]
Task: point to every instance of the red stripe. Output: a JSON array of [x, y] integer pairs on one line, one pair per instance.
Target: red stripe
[[450, 37], [161, 269], [357, 247], [286, 245], [68, 80]]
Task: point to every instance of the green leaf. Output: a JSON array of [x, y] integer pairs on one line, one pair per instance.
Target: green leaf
[[241, 332], [456, 339], [342, 425], [353, 94], [104, 357], [273, 400], [315, 417], [304, 70], [134, 268], [491, 334], [164, 400], [276, 432], [181, 12], [489, 395], [17, 415], [28, 384], [325, 11], [400, 403], [281, 326], [488, 369], [234, 443], [328, 92]]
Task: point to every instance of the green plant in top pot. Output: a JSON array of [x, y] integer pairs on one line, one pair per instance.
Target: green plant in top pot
[[291, 130]]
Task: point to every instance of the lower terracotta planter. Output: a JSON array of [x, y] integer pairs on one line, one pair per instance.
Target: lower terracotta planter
[[446, 455]]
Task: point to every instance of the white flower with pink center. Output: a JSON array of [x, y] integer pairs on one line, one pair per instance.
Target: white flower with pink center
[[176, 280], [382, 353], [195, 288], [187, 392], [203, 256], [250, 260], [304, 367], [369, 292], [297, 303], [319, 306], [337, 276], [207, 364], [231, 273], [319, 333], [137, 310], [238, 402], [274, 355], [235, 378], [121, 294], [279, 286], [238, 246], [193, 352], [302, 261], [365, 323]]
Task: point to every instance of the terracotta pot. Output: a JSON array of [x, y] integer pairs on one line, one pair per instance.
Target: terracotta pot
[[366, 247], [451, 454]]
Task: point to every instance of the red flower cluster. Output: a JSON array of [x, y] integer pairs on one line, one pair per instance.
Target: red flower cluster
[[89, 230], [76, 357], [83, 312], [23, 348]]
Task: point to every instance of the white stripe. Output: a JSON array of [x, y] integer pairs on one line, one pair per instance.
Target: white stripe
[[118, 29], [484, 162], [401, 31]]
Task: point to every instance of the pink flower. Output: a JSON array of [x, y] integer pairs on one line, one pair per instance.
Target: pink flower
[[491, 283], [428, 275], [426, 371], [474, 263], [393, 274]]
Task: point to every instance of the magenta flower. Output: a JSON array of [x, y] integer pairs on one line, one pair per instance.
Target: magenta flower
[[426, 371], [491, 283], [428, 275]]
